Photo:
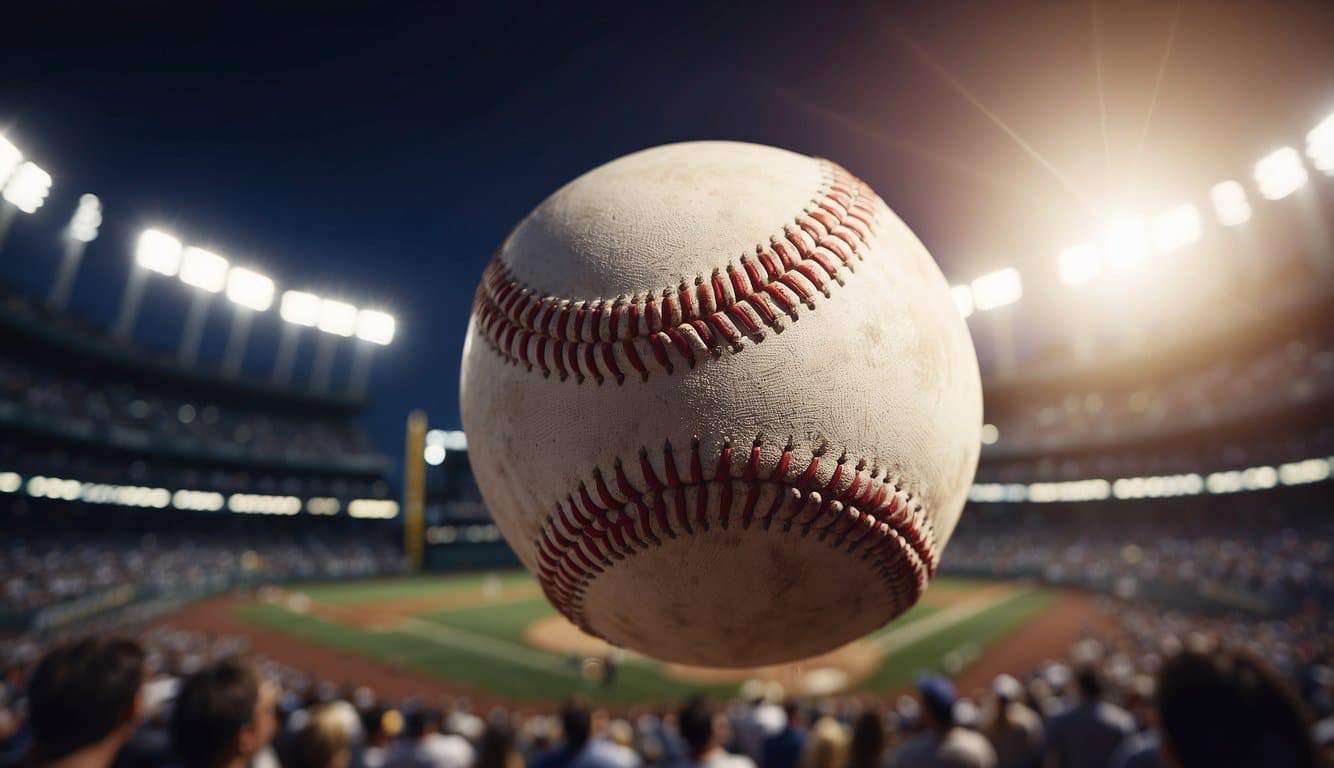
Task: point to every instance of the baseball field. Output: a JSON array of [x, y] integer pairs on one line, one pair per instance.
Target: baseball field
[[495, 638]]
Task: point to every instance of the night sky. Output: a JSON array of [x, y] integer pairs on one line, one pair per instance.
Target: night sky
[[380, 152]]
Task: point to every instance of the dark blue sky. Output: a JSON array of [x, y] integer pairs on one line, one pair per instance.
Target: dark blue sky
[[381, 151]]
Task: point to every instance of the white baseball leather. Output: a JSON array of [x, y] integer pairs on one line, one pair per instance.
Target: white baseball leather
[[820, 449]]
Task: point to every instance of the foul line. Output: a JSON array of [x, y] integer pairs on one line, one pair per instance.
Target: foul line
[[482, 645], [898, 639]]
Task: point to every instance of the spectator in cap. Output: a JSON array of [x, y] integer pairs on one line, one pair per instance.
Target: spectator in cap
[[424, 746], [84, 703], [1086, 734], [1014, 730], [225, 716], [943, 743], [1229, 708], [783, 749], [703, 730]]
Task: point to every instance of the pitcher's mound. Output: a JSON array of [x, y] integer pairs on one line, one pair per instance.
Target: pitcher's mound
[[831, 672]]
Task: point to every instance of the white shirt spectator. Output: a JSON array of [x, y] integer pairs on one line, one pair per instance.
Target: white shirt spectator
[[435, 750], [600, 753], [958, 748]]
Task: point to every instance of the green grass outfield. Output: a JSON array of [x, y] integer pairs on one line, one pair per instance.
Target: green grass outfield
[[482, 646]]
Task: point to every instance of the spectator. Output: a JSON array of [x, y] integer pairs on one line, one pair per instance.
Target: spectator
[[84, 702], [497, 748], [613, 749], [868, 742], [322, 743], [827, 746], [576, 724], [702, 729], [1014, 730], [944, 744], [1086, 734], [1229, 708], [783, 749], [381, 726], [225, 716], [424, 746]]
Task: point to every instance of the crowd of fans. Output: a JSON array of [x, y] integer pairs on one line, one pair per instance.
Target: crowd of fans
[[1264, 558], [78, 402], [1162, 689], [43, 571], [1219, 392]]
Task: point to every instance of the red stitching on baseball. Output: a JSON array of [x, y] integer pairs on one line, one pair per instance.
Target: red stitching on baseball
[[862, 511], [660, 332]]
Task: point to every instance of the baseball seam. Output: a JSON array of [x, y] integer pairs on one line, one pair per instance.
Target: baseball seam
[[674, 328], [860, 509]]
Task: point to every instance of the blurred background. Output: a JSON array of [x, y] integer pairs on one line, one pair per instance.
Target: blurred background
[[239, 244]]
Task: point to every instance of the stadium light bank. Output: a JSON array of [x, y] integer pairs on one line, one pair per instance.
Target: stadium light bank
[[24, 186]]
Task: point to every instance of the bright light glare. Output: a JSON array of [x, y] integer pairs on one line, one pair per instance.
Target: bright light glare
[[1080, 263], [203, 269], [1124, 244], [10, 157], [375, 327], [1280, 173], [997, 289], [158, 252], [1230, 205], [249, 289], [337, 317], [300, 308], [963, 300], [87, 219], [451, 439], [434, 455], [1177, 228], [28, 187], [1319, 146]]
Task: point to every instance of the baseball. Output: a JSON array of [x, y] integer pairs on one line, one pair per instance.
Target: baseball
[[719, 400]]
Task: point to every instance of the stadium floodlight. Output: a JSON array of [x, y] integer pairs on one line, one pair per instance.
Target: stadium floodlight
[[249, 289], [963, 300], [997, 289], [81, 231], [1080, 263], [337, 317], [1177, 228], [1319, 146], [375, 327], [300, 308], [28, 187], [1230, 205], [251, 292], [1124, 244], [1280, 173], [87, 219], [203, 269], [206, 271], [10, 157], [158, 252]]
